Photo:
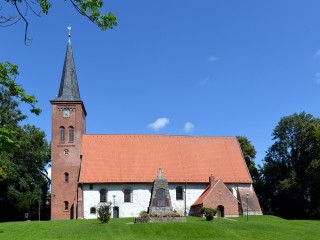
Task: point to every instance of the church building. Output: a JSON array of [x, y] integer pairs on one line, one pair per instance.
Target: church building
[[90, 169]]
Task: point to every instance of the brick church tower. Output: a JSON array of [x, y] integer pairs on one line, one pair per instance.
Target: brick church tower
[[68, 126]]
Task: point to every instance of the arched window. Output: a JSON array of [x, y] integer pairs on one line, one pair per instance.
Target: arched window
[[179, 193], [93, 210], [66, 177], [66, 205], [103, 195], [62, 134], [71, 134], [127, 195]]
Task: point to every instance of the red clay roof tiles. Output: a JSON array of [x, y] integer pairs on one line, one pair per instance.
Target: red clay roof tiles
[[203, 195], [136, 158]]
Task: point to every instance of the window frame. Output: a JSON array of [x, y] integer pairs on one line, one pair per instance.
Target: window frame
[[71, 133], [179, 193], [127, 195], [62, 134], [103, 195], [66, 206], [93, 210], [66, 177]]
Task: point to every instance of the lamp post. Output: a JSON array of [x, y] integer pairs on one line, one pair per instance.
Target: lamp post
[[185, 199], [247, 194], [114, 205]]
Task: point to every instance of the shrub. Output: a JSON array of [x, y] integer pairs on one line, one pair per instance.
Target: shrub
[[154, 215], [173, 214], [144, 214], [104, 212], [209, 213]]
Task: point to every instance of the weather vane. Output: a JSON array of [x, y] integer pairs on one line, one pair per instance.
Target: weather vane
[[69, 34]]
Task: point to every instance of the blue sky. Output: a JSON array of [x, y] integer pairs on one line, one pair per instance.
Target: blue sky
[[215, 68]]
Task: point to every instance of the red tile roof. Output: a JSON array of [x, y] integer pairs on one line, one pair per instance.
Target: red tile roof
[[136, 158], [203, 195]]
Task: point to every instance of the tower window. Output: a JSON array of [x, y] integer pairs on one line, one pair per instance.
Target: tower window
[[62, 134], [66, 177], [66, 205], [179, 193], [71, 134], [103, 195], [127, 195]]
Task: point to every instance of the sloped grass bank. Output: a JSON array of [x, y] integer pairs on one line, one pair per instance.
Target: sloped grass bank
[[258, 227]]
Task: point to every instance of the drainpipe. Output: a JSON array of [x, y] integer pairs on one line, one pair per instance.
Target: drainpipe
[[185, 199]]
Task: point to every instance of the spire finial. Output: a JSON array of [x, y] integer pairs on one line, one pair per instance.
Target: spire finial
[[69, 34]]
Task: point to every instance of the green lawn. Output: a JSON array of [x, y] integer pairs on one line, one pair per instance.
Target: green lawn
[[258, 227]]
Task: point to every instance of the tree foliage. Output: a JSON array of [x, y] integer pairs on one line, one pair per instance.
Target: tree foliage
[[249, 154], [9, 114], [24, 151], [22, 166], [209, 213], [8, 71], [91, 9], [104, 212], [291, 168]]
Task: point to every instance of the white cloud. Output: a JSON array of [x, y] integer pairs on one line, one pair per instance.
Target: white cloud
[[188, 127], [317, 53], [213, 58], [159, 123]]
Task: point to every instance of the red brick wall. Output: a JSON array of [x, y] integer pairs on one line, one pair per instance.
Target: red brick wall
[[62, 191], [80, 202], [221, 195]]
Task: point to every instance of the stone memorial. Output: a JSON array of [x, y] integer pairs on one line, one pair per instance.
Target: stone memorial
[[160, 208], [160, 202]]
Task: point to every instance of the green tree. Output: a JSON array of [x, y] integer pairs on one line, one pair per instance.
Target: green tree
[[209, 213], [290, 173], [104, 213], [25, 184], [23, 179], [9, 72], [249, 154], [91, 9], [24, 151], [9, 114]]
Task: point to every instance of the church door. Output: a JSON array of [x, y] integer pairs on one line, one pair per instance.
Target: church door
[[161, 197], [116, 212], [220, 211]]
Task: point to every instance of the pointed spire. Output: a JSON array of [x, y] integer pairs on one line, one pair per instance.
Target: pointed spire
[[69, 34], [69, 89]]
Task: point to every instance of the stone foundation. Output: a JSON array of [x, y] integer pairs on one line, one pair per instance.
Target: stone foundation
[[160, 210]]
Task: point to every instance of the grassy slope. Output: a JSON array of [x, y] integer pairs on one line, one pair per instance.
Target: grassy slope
[[258, 227]]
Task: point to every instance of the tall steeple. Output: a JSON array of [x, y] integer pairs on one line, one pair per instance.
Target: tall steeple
[[69, 89], [68, 126]]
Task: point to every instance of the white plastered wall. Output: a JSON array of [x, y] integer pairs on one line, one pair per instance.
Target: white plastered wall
[[141, 194]]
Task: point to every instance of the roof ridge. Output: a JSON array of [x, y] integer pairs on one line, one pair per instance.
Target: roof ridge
[[155, 135]]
